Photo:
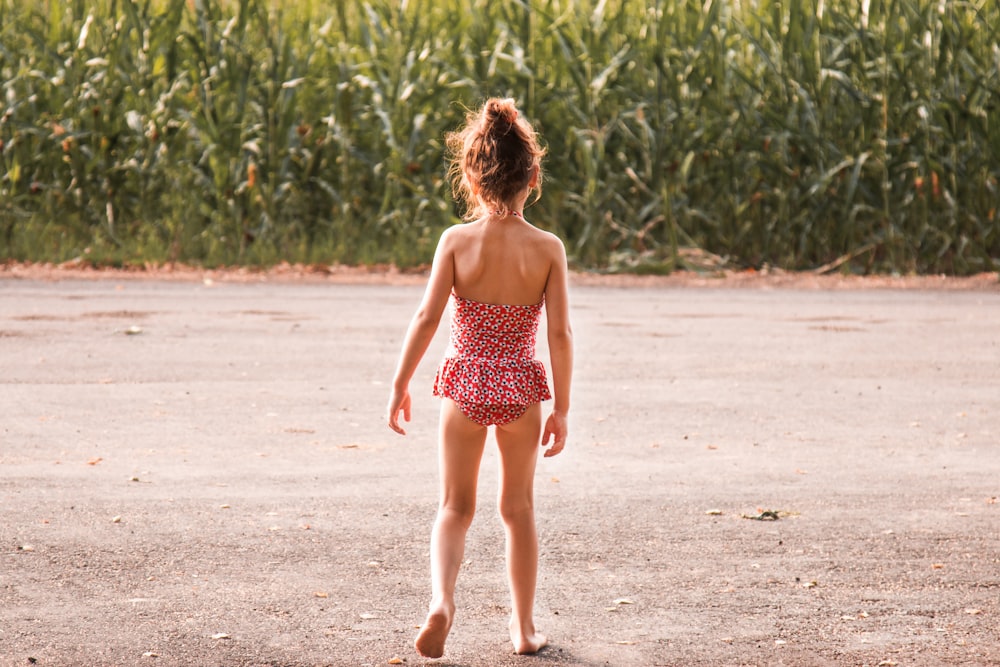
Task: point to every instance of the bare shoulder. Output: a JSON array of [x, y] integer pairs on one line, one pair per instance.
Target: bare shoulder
[[464, 230], [452, 236], [549, 241], [449, 233]]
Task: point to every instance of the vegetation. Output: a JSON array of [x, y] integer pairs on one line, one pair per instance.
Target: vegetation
[[793, 133]]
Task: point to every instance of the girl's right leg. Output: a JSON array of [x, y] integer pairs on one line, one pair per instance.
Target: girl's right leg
[[518, 444], [459, 453]]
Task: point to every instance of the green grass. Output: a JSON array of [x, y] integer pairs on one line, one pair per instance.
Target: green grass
[[766, 132]]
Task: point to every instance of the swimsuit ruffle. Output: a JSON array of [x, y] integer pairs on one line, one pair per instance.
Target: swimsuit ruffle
[[510, 381]]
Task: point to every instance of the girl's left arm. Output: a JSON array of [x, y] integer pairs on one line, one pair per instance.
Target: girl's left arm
[[421, 330]]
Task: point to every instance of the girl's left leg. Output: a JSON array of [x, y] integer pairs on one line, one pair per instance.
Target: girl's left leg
[[460, 451]]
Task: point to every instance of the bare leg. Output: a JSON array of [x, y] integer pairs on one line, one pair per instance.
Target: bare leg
[[518, 444], [460, 451]]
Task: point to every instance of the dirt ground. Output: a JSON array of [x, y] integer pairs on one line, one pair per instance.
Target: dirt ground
[[762, 470]]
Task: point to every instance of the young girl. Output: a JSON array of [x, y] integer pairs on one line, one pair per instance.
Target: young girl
[[497, 270]]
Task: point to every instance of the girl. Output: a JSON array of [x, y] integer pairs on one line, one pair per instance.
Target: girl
[[498, 271]]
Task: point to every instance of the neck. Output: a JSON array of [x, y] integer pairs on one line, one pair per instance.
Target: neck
[[504, 212]]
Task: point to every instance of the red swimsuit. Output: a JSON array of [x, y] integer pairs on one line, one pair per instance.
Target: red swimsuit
[[490, 369]]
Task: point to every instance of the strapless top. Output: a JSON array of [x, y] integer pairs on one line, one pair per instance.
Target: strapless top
[[491, 355]]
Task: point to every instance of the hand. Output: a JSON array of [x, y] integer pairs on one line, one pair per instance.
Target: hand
[[399, 401], [555, 430]]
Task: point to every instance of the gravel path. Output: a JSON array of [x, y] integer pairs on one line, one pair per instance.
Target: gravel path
[[196, 472]]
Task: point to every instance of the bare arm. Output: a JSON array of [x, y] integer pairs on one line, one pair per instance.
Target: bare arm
[[421, 331], [560, 336]]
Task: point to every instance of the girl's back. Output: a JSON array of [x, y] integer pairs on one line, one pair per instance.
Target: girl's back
[[502, 259]]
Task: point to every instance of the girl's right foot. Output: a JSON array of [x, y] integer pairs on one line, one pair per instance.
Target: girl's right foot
[[430, 639], [526, 642]]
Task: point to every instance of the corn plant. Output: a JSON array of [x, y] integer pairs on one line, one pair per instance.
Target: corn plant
[[800, 134]]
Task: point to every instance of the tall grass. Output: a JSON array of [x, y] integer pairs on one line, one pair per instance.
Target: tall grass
[[793, 133]]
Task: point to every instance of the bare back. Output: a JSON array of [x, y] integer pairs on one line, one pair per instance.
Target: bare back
[[503, 261]]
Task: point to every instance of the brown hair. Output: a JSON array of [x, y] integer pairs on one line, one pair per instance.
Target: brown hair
[[492, 158]]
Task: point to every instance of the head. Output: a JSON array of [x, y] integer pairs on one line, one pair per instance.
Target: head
[[495, 159]]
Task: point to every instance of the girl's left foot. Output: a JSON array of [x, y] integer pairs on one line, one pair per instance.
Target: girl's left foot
[[430, 640]]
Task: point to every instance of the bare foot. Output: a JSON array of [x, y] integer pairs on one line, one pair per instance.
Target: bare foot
[[430, 639], [527, 642]]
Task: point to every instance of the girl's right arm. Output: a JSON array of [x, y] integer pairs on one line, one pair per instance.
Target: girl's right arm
[[560, 337], [421, 330]]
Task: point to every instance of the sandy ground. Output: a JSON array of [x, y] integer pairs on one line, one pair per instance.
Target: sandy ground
[[194, 470]]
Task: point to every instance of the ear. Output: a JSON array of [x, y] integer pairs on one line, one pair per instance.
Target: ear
[[533, 178]]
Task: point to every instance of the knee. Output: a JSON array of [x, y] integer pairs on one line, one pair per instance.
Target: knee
[[515, 510], [461, 512]]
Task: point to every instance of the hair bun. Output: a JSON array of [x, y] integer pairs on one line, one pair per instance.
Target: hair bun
[[501, 112]]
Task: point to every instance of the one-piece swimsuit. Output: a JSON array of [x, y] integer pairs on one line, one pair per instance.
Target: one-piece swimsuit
[[490, 369]]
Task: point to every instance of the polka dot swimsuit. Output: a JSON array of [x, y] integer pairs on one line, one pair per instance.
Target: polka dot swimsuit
[[490, 369]]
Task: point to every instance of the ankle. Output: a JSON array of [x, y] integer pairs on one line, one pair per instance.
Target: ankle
[[521, 628], [525, 638], [442, 605]]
